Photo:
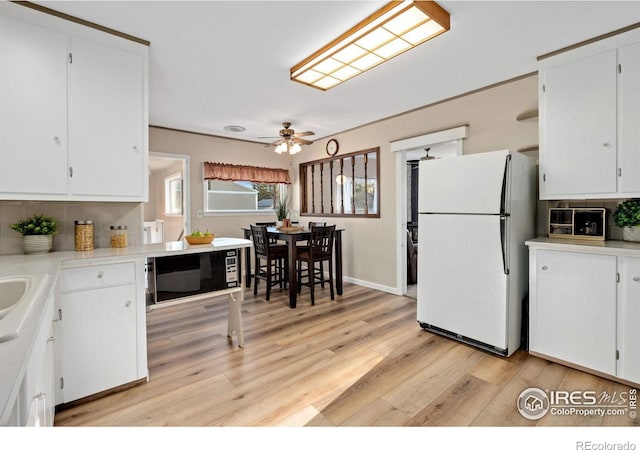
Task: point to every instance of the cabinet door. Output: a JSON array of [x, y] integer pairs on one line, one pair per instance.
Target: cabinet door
[[106, 121], [629, 118], [98, 340], [33, 109], [578, 128], [628, 319], [573, 315]]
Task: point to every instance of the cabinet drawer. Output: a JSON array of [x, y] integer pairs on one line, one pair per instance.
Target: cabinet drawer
[[95, 277]]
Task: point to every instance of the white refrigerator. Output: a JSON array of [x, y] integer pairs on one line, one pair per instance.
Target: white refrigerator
[[475, 213]]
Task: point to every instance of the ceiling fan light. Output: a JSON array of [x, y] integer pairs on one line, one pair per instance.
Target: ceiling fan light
[[413, 21], [295, 148], [281, 148]]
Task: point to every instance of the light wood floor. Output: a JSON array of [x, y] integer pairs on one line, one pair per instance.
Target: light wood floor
[[361, 360]]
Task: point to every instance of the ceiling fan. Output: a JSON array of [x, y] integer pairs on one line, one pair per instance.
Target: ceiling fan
[[289, 141]]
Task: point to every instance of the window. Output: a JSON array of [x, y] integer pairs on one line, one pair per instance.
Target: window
[[231, 188], [242, 195], [342, 186], [173, 194]]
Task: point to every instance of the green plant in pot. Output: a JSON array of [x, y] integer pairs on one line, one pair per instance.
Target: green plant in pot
[[37, 233], [281, 209], [627, 216]]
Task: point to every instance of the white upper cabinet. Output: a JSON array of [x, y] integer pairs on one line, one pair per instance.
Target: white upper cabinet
[[33, 109], [589, 111], [629, 113], [105, 120], [74, 125]]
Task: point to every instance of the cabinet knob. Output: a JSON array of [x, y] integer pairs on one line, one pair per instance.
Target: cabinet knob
[[126, 305], [56, 139], [606, 145], [636, 278], [544, 267], [100, 274]]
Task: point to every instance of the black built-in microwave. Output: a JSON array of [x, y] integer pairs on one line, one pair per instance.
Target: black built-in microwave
[[178, 276]]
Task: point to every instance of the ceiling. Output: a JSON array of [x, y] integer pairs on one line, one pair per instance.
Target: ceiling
[[218, 63]]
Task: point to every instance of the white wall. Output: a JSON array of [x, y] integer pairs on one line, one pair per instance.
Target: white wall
[[369, 245]]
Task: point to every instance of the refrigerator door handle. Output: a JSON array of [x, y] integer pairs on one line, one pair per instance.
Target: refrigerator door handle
[[503, 242], [504, 194]]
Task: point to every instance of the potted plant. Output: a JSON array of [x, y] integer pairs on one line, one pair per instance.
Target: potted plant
[[37, 233], [627, 216], [281, 210]]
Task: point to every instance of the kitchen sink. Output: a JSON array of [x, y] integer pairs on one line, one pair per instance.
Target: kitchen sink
[[17, 296]]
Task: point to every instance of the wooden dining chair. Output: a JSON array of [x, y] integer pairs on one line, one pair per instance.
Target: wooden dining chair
[[270, 260], [320, 249]]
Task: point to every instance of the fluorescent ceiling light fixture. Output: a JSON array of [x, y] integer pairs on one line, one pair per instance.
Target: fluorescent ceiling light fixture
[[393, 29]]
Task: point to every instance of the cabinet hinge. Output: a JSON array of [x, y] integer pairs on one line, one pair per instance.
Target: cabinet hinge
[[617, 278], [70, 172], [617, 355], [61, 382], [619, 68], [70, 58], [619, 171], [544, 88], [544, 177]]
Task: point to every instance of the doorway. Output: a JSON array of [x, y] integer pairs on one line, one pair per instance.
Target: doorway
[[409, 152], [166, 214]]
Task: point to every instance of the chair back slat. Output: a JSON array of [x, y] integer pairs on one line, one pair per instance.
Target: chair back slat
[[260, 239], [321, 240]]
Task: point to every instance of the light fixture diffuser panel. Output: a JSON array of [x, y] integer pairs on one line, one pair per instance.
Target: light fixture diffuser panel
[[393, 29]]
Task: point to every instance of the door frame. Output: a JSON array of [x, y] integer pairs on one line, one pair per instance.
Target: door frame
[[400, 148], [186, 185]]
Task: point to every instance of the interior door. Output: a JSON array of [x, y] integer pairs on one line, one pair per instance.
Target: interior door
[[461, 281], [469, 184]]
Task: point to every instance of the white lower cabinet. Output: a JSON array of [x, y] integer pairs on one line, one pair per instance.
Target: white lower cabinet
[[583, 308], [35, 403], [101, 332], [628, 317]]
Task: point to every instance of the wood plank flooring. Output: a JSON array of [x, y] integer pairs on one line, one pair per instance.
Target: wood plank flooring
[[361, 360]]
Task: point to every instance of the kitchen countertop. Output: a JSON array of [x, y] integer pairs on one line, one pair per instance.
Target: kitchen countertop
[[14, 353], [607, 247]]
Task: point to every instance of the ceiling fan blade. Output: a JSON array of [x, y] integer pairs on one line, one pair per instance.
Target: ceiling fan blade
[[268, 137], [302, 141], [275, 143], [304, 133]]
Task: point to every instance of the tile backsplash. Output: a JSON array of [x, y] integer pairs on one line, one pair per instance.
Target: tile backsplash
[[612, 232], [103, 215]]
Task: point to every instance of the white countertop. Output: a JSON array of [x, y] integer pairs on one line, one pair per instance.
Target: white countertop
[[609, 247], [14, 353]]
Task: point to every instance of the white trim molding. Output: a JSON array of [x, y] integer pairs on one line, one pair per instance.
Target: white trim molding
[[438, 137]]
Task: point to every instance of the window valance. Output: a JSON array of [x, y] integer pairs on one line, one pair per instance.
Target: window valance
[[233, 172]]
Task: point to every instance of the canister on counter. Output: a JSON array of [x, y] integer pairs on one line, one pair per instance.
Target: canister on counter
[[84, 235], [118, 236]]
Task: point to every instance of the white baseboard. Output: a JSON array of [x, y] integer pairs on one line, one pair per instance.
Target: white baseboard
[[376, 286], [368, 284]]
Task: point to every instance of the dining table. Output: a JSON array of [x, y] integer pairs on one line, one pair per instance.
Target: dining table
[[291, 237]]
